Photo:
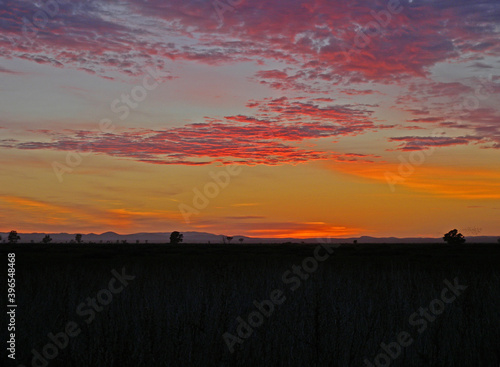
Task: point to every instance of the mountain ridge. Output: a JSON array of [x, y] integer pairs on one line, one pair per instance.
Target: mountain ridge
[[205, 237]]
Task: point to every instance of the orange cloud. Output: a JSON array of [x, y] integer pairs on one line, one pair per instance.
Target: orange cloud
[[28, 214], [461, 183], [306, 230]]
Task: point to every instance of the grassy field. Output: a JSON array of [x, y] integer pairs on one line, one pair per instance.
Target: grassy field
[[184, 298]]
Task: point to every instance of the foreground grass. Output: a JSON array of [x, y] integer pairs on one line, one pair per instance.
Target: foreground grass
[[185, 297]]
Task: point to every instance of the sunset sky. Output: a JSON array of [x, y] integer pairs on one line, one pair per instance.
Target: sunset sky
[[321, 118]]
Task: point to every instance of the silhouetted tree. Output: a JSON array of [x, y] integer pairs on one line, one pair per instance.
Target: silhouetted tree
[[229, 239], [453, 237], [176, 237], [497, 240], [13, 237], [241, 240], [355, 242], [78, 238], [47, 239]]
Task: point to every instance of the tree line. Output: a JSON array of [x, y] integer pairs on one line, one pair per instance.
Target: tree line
[[452, 237]]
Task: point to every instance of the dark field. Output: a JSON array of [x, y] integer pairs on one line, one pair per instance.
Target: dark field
[[184, 298]]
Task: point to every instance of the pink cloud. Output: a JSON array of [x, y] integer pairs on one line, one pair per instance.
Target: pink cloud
[[412, 143], [321, 40], [272, 136]]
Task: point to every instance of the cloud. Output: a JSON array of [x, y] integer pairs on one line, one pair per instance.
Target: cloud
[[301, 230], [273, 136], [8, 71], [322, 42], [465, 106], [245, 217], [412, 143], [440, 181], [30, 214]]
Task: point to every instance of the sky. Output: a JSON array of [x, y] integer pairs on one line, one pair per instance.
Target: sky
[[259, 118]]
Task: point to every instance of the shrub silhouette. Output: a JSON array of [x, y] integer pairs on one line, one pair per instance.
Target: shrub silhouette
[[47, 239], [176, 237], [453, 237], [13, 237], [78, 238]]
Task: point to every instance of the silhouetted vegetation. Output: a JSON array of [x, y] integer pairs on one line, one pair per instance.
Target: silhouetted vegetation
[[46, 239], [13, 237], [78, 238], [176, 237], [185, 297], [453, 237]]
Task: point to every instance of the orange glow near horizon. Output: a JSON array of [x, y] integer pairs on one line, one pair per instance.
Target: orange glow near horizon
[[267, 125]]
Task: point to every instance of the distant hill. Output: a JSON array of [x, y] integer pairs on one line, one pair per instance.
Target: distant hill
[[203, 237]]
